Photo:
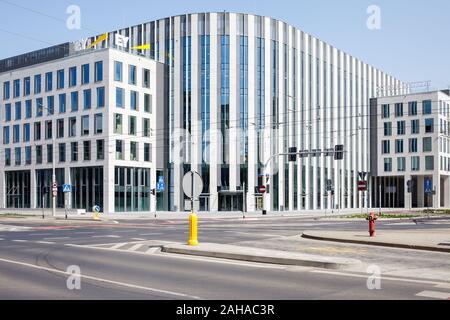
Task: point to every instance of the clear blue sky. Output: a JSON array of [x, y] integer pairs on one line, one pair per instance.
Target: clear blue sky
[[412, 44]]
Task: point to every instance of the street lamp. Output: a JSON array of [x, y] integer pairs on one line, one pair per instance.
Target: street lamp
[[53, 162]]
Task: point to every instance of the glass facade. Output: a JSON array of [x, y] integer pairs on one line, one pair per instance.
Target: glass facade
[[132, 189]]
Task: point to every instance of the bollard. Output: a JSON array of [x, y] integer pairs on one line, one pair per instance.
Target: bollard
[[96, 214], [193, 224]]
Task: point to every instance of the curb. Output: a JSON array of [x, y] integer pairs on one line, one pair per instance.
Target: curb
[[306, 261], [376, 243]]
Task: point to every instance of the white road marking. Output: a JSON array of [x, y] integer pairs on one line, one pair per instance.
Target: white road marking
[[45, 242], [117, 246], [152, 250], [122, 284], [434, 295], [138, 239], [443, 286], [135, 247], [20, 241], [1, 239], [108, 236]]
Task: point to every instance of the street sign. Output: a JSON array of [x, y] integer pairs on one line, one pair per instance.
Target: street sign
[[161, 185], [262, 189], [428, 185], [55, 189], [362, 175], [192, 184], [67, 188], [329, 185], [362, 185]]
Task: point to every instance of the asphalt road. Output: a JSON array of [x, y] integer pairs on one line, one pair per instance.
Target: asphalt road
[[34, 257]]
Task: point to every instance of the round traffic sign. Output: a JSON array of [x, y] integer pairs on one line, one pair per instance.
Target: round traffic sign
[[262, 189], [192, 184]]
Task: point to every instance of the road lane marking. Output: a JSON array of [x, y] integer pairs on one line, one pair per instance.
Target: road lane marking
[[152, 250], [108, 236], [434, 295], [45, 242], [135, 247], [20, 241], [122, 284], [138, 239], [117, 246]]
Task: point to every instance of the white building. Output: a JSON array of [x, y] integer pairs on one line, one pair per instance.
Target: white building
[[94, 114], [410, 145]]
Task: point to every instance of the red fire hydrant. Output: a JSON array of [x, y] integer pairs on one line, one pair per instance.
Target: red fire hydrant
[[372, 218]]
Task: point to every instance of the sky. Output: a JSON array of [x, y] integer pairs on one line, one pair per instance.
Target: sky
[[411, 44]]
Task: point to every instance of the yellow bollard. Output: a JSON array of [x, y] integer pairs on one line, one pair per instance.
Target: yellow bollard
[[193, 222], [96, 214]]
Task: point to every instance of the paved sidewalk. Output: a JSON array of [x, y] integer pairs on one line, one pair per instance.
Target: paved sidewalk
[[261, 255], [430, 240]]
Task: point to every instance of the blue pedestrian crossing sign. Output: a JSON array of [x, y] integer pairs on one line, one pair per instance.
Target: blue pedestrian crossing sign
[[67, 188], [160, 186], [428, 186]]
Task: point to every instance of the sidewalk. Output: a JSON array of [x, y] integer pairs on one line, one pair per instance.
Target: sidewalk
[[261, 255], [430, 240]]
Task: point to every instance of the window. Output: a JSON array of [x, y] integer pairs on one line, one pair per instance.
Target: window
[[37, 131], [16, 89], [50, 105], [87, 99], [28, 155], [86, 150], [85, 74], [119, 150], [38, 154], [85, 125], [429, 163], [16, 134], [100, 149], [100, 97], [73, 77], [386, 111], [412, 108], [72, 127], [401, 164], [48, 81], [74, 101], [147, 103], [388, 164], [60, 131], [399, 109], [26, 132], [146, 78], [399, 146], [427, 144], [118, 123], [49, 153], [415, 163], [415, 127], [427, 107], [48, 130], [37, 84], [39, 107], [7, 157], [118, 67], [18, 107], [62, 152], [429, 125], [5, 135], [18, 156], [8, 112], [98, 71], [60, 79], [401, 128], [98, 123], [119, 97], [147, 152], [132, 126], [134, 97], [132, 74], [62, 103], [388, 129], [386, 147], [6, 90], [26, 86], [413, 145], [28, 109], [133, 151], [146, 127], [74, 151]]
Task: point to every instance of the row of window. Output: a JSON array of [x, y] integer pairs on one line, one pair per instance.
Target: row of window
[[134, 151], [132, 74], [48, 129], [38, 158], [427, 108], [444, 109], [444, 145], [24, 90], [415, 164], [427, 145], [38, 108], [415, 127], [132, 125], [133, 100], [445, 164]]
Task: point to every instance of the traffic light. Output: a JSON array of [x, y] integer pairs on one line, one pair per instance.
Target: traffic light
[[339, 152], [292, 154]]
